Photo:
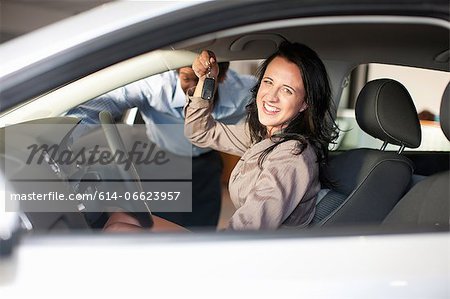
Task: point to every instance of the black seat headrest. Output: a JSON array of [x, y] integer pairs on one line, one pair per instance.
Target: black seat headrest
[[445, 112], [385, 110]]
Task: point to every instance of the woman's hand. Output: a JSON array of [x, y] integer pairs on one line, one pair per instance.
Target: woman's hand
[[203, 63]]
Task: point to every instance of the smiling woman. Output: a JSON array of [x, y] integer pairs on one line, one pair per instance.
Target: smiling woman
[[283, 144], [281, 95]]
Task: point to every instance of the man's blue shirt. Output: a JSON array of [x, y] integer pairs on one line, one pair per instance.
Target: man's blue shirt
[[160, 100]]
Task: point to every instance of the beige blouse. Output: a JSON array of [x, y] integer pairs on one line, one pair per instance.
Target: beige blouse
[[282, 192]]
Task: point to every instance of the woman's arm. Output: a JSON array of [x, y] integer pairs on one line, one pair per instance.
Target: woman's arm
[[203, 131], [200, 127]]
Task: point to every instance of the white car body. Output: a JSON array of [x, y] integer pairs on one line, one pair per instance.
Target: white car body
[[335, 263]]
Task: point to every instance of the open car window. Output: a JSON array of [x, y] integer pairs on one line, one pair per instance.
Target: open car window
[[384, 211], [426, 88], [243, 43]]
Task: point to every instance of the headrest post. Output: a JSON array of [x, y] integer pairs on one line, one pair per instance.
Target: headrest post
[[383, 147], [402, 147]]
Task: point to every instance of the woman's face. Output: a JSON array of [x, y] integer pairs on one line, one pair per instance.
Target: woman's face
[[281, 95]]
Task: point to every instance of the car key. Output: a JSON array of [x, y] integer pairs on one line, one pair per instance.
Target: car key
[[208, 86]]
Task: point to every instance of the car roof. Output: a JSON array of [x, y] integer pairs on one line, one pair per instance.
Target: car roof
[[82, 28]]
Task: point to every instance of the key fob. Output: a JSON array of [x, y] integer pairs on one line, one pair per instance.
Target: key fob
[[208, 88]]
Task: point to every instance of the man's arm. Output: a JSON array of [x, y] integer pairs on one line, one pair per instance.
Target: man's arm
[[116, 102]]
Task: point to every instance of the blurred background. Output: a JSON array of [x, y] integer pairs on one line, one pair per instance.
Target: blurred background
[[18, 17]]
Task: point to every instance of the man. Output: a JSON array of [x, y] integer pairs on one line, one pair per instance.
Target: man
[[160, 100]]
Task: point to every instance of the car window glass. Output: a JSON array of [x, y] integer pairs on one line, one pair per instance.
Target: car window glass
[[426, 88]]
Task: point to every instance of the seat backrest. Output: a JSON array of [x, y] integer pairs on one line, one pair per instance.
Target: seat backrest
[[367, 183], [427, 203]]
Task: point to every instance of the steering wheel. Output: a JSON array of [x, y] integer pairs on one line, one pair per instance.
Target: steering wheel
[[129, 176]]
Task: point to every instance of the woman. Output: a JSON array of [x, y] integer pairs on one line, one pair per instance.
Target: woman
[[283, 143]]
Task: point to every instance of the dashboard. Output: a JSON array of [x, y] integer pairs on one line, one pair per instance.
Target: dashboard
[[50, 162]]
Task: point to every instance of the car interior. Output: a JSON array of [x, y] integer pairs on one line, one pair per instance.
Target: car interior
[[412, 210], [368, 186], [368, 182]]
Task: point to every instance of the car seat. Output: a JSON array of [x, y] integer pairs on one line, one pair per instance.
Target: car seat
[[367, 183], [427, 203]]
